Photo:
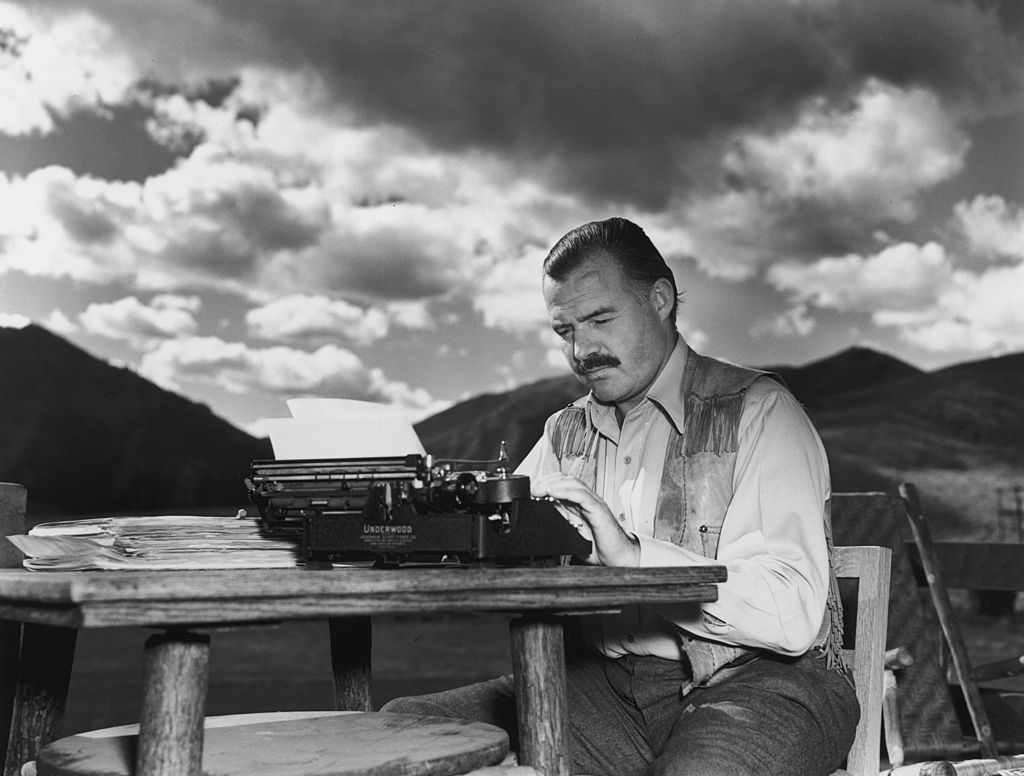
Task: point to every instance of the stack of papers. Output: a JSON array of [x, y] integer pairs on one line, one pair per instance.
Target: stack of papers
[[158, 542]]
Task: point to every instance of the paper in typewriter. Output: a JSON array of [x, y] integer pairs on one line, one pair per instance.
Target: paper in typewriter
[[158, 542], [342, 428]]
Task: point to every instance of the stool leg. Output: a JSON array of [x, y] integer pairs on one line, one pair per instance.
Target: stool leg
[[44, 673], [175, 673], [351, 645], [538, 665]]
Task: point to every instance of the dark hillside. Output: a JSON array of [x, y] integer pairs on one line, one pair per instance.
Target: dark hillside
[[84, 436], [819, 382], [957, 433], [476, 428]]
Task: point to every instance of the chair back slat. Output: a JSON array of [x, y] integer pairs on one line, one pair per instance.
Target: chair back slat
[[870, 566]]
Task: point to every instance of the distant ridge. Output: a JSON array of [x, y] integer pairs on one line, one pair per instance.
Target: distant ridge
[[83, 435], [850, 370]]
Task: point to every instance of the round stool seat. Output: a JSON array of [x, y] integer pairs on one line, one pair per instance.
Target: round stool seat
[[299, 744]]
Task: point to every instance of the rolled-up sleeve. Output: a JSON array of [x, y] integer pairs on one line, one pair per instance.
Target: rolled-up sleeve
[[773, 537]]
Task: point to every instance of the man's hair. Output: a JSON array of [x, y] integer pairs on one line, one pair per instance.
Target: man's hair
[[621, 239]]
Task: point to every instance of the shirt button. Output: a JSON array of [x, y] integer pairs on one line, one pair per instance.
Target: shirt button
[[630, 638], [628, 460]]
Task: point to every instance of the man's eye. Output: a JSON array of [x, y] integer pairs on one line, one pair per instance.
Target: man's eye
[[602, 321]]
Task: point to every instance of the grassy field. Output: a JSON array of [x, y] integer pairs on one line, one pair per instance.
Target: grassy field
[[287, 667]]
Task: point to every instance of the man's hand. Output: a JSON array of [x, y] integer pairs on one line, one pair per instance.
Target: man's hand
[[613, 546]]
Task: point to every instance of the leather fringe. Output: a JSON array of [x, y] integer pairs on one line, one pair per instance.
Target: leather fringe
[[569, 436], [833, 646], [711, 423]]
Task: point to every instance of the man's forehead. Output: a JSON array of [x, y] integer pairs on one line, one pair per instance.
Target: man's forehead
[[597, 270], [590, 287]]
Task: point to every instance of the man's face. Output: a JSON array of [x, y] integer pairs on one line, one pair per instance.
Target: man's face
[[615, 342]]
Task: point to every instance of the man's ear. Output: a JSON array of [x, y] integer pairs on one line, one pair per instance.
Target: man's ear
[[662, 297]]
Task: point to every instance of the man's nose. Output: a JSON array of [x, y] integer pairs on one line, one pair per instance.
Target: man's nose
[[583, 346]]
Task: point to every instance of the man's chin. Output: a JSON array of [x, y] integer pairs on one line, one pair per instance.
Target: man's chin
[[602, 388]]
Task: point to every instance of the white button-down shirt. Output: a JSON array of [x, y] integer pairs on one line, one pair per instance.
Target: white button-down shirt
[[772, 540]]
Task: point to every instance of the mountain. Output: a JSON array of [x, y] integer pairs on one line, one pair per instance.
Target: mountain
[[820, 382], [475, 428], [85, 436]]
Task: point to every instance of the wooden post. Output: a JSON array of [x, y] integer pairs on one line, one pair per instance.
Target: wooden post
[[891, 719], [175, 673], [13, 502], [947, 620], [44, 674], [351, 646], [538, 665], [13, 505]]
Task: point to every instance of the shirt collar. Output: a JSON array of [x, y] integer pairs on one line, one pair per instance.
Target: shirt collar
[[666, 392]]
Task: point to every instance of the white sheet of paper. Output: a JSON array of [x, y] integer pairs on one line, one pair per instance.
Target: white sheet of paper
[[342, 428]]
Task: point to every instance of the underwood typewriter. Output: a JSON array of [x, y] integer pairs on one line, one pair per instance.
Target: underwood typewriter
[[410, 509]]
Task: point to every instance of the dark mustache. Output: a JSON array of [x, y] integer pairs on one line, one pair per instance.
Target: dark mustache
[[596, 361]]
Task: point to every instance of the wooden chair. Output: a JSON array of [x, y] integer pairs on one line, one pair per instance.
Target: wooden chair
[[927, 727], [963, 673], [870, 567], [926, 732]]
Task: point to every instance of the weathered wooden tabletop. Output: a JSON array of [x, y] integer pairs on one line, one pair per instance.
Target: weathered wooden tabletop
[[168, 598]]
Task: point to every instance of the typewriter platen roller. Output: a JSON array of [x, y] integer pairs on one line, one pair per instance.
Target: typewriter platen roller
[[410, 510]]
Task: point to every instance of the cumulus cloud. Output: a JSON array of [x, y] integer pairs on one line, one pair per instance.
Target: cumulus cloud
[[53, 65], [992, 227], [795, 321], [14, 321], [828, 179], [918, 291], [301, 317], [167, 316], [330, 371], [899, 275], [510, 295]]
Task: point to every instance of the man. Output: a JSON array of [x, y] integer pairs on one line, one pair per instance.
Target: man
[[672, 459]]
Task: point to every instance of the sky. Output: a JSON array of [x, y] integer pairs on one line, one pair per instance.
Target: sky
[[246, 201]]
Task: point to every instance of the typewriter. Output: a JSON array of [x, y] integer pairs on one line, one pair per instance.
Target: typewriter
[[410, 509]]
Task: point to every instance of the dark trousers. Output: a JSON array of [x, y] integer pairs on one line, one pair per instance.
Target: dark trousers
[[790, 717]]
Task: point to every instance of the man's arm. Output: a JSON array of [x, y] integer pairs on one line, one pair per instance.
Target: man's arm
[[773, 538]]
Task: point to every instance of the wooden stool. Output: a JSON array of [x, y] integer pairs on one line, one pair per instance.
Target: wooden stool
[[319, 743]]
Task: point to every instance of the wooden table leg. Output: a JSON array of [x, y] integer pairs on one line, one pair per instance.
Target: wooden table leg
[[351, 645], [10, 656], [13, 503], [41, 692], [538, 665], [175, 674]]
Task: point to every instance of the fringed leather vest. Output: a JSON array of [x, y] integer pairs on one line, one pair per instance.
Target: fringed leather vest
[[696, 489]]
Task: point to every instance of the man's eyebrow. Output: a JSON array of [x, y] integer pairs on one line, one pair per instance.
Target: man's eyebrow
[[598, 312], [605, 310]]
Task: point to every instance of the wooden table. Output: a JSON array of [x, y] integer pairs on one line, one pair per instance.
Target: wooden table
[[52, 606]]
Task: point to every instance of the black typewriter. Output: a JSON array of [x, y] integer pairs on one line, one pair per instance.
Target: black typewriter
[[410, 509]]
